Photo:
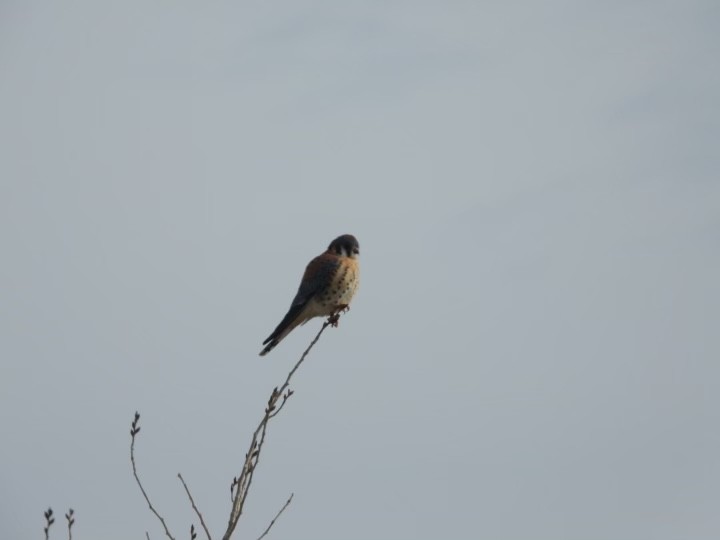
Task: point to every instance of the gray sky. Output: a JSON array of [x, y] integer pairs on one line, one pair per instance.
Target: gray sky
[[533, 352]]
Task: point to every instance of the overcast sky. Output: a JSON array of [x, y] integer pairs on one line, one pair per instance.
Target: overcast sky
[[534, 349]]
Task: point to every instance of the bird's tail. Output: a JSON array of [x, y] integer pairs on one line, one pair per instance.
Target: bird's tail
[[269, 347], [289, 322]]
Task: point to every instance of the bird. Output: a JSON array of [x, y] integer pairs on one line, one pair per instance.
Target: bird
[[327, 287]]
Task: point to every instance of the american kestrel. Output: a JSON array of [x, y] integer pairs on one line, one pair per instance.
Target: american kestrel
[[327, 286]]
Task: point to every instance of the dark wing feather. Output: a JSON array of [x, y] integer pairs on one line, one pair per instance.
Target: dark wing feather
[[289, 317], [318, 273]]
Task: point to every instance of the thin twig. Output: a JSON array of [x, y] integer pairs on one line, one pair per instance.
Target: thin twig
[[134, 430], [286, 396], [70, 517], [199, 515], [287, 503], [49, 520], [243, 482]]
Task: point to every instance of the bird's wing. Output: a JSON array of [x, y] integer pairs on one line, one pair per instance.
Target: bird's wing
[[318, 273]]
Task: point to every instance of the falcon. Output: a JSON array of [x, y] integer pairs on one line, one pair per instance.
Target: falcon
[[327, 287]]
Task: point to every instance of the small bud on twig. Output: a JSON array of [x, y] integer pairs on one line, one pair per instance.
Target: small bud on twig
[[49, 520], [134, 428]]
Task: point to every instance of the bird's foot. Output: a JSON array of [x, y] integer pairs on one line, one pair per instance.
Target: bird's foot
[[334, 319]]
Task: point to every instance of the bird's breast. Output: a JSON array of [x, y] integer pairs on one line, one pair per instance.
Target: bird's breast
[[342, 286]]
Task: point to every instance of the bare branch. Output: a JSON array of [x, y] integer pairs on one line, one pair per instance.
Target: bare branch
[[286, 396], [287, 503], [199, 515], [240, 486], [147, 535], [134, 430], [49, 520], [70, 521]]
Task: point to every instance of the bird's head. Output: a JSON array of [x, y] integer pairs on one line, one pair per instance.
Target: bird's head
[[345, 246]]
